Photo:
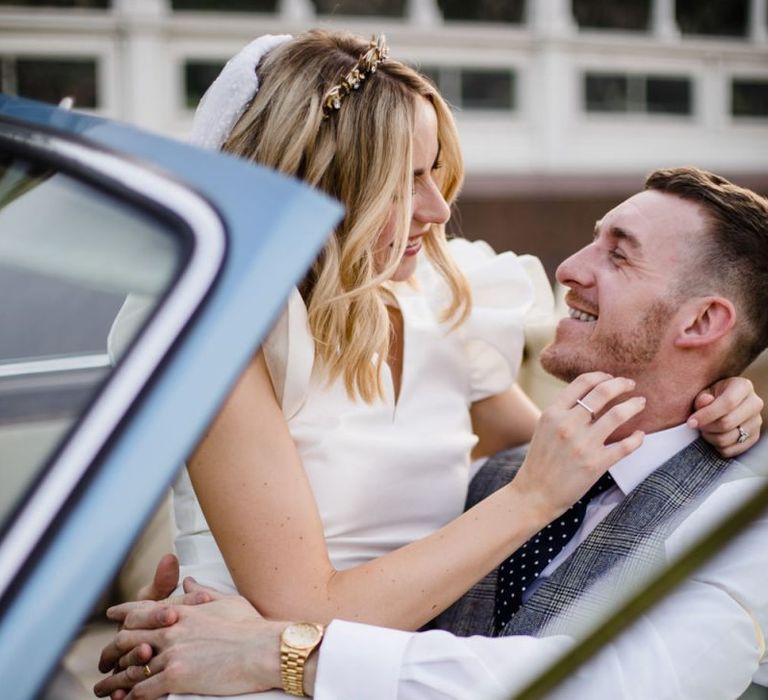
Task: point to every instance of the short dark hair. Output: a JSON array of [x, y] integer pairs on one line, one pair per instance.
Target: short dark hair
[[734, 261]]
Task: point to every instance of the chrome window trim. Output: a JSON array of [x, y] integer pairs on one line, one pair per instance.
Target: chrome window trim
[[53, 365], [182, 299]]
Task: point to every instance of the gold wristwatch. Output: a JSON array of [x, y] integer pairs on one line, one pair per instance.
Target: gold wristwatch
[[297, 642]]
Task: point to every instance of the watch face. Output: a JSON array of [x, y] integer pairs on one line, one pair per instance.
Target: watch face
[[301, 635]]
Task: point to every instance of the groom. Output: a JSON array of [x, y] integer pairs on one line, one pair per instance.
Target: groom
[[653, 299], [672, 292]]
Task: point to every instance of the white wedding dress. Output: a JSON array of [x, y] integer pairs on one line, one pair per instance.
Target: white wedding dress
[[388, 473]]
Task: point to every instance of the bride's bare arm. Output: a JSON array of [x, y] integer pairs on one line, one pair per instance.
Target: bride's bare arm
[[257, 499]]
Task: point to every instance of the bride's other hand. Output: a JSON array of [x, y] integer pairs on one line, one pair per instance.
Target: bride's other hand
[[165, 580], [568, 452], [724, 407]]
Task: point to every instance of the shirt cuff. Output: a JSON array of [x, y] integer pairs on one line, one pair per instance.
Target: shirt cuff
[[360, 661]]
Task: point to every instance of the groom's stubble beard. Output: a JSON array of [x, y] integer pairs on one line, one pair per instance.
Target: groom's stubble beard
[[623, 353]]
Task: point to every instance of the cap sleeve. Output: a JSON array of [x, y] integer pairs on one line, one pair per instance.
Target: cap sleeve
[[290, 354], [130, 318], [509, 293]]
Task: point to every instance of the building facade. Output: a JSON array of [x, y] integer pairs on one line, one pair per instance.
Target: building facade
[[562, 105]]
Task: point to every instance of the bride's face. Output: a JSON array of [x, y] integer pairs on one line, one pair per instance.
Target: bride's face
[[428, 205]]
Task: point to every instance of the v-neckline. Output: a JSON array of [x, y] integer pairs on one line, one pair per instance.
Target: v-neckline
[[397, 344]]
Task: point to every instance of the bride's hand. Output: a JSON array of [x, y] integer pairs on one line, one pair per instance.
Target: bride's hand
[[568, 451], [725, 412]]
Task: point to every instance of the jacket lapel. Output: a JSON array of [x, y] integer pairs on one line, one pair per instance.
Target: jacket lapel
[[627, 544]]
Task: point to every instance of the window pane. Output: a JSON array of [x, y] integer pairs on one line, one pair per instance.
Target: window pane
[[749, 98], [69, 254], [198, 75], [51, 79], [487, 89], [373, 8], [606, 93], [99, 4], [226, 5], [637, 93], [512, 11], [668, 95], [634, 14], [715, 17]]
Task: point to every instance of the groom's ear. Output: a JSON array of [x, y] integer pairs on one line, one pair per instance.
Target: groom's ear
[[704, 321]]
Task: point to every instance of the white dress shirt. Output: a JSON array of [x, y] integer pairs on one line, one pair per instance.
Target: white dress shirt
[[705, 640]]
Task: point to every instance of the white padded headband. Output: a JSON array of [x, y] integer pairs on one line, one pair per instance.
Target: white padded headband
[[230, 94]]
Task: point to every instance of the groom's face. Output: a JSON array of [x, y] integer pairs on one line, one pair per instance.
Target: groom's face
[[625, 286]]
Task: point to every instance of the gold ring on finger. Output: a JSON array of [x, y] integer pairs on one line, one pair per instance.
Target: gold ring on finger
[[147, 671], [586, 408]]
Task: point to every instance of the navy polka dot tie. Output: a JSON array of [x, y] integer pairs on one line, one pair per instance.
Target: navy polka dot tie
[[524, 566]]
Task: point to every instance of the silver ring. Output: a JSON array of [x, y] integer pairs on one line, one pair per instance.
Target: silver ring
[[586, 408], [743, 435]]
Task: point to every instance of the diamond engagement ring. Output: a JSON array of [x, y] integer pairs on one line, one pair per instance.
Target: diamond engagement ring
[[743, 435]]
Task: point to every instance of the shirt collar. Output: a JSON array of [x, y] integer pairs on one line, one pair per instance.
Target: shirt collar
[[656, 449]]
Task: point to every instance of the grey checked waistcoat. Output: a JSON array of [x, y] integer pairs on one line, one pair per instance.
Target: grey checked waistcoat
[[626, 545]]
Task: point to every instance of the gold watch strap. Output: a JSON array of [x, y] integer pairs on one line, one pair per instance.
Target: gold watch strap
[[297, 643], [292, 672]]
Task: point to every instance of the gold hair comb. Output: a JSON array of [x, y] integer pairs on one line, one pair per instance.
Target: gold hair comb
[[366, 65]]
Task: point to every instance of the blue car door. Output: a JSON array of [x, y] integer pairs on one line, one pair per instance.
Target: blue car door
[[194, 253]]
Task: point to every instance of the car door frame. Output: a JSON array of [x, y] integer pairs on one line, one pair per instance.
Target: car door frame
[[180, 370]]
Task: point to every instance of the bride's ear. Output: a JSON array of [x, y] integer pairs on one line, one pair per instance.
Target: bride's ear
[[706, 321]]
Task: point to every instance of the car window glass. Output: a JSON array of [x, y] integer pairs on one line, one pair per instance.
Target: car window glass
[[70, 254]]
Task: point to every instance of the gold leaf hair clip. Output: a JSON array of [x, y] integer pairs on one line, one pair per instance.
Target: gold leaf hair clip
[[366, 65]]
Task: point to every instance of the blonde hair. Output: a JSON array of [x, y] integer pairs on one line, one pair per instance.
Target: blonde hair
[[360, 155]]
